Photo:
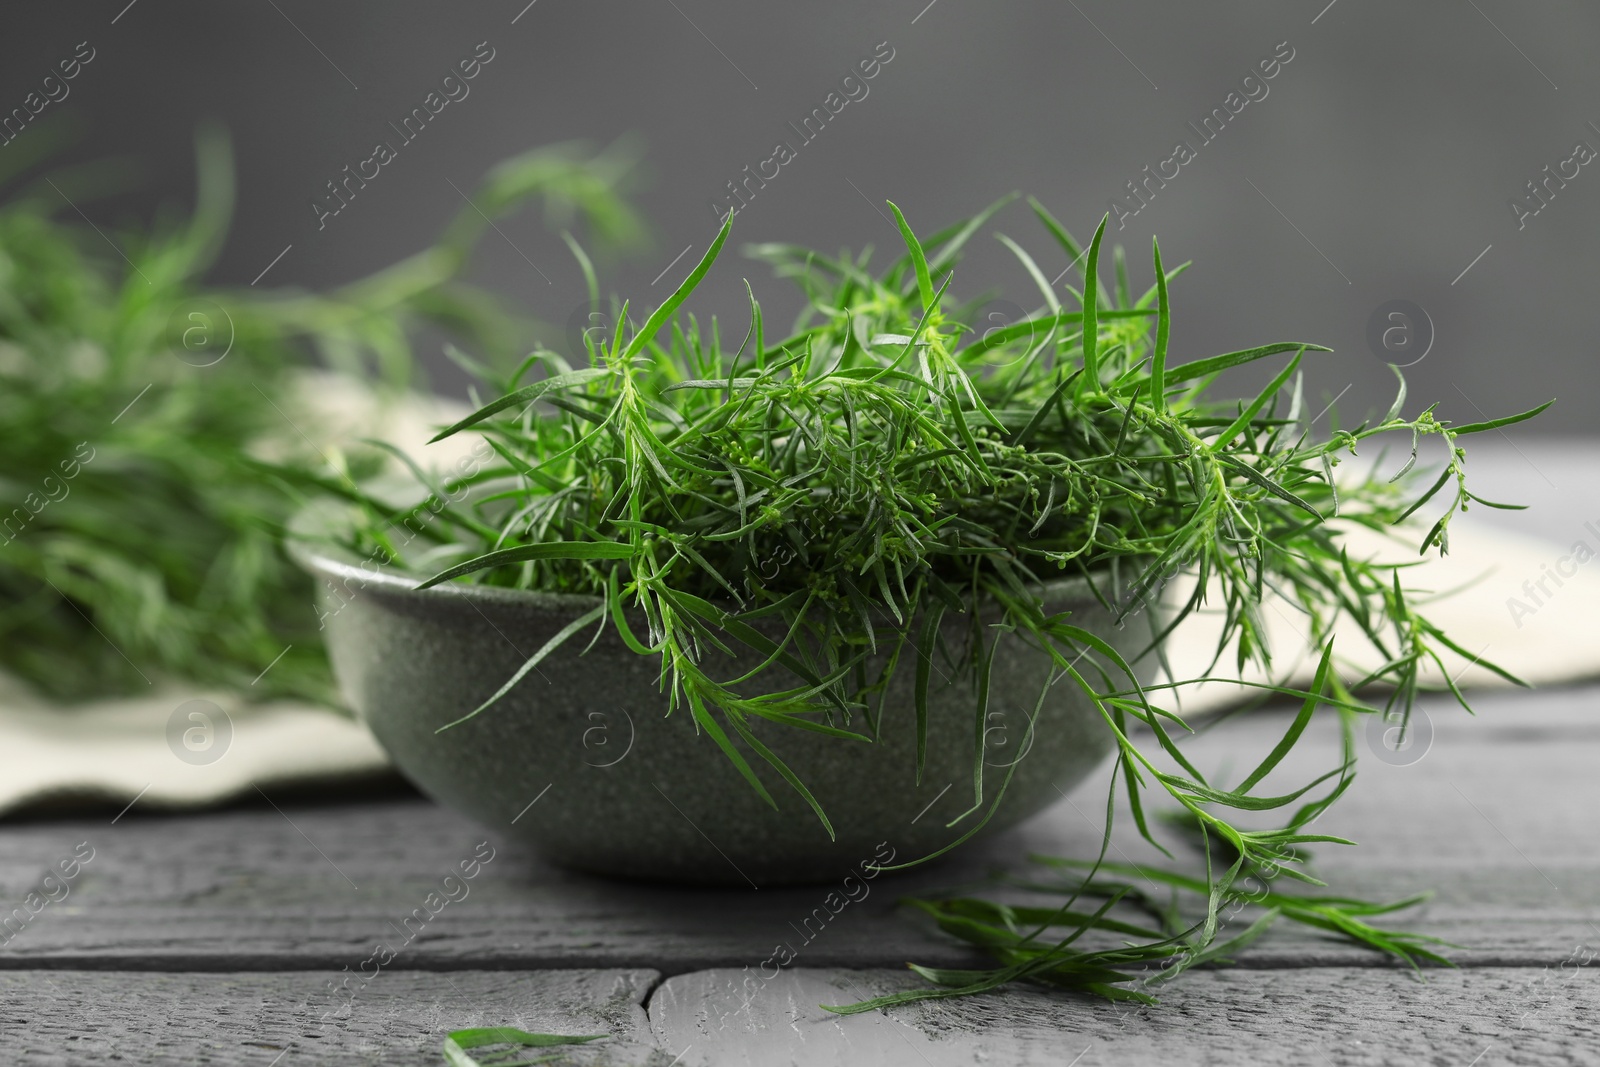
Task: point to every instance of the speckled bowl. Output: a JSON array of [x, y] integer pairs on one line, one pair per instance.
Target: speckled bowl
[[582, 761]]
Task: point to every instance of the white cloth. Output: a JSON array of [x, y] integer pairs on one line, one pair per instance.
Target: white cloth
[[1556, 641], [120, 750], [127, 749]]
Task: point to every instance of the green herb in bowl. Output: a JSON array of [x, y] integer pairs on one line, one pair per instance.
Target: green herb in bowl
[[905, 470]]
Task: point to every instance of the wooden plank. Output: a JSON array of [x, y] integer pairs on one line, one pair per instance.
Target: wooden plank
[[1498, 818], [1341, 1016], [1337, 1016], [262, 1020]]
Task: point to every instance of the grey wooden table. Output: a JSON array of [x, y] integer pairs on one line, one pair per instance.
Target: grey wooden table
[[248, 936]]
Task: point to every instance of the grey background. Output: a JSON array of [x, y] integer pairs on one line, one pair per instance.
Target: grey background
[[1389, 146]]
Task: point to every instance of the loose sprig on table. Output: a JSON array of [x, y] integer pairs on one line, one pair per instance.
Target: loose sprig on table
[[1192, 926], [911, 467], [507, 1045]]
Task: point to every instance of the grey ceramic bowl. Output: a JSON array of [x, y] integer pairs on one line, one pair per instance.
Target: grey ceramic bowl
[[581, 760]]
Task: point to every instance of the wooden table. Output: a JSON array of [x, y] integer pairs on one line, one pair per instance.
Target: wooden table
[[219, 938], [213, 938]]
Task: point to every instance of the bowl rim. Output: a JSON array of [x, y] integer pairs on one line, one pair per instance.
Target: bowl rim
[[308, 546]]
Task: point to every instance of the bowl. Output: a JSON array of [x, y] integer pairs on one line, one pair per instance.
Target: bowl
[[582, 760]]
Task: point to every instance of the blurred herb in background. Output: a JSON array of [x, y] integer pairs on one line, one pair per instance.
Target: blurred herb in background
[[152, 425]]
